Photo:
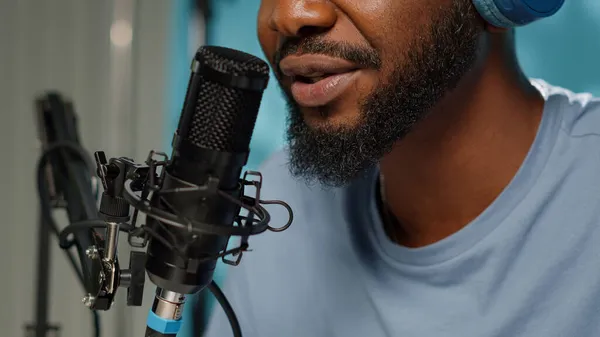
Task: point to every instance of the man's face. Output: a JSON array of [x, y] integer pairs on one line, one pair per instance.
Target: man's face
[[358, 74]]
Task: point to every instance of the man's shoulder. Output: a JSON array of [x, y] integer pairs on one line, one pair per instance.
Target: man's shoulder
[[579, 111]]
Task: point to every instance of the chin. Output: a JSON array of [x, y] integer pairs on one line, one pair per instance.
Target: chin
[[331, 118]]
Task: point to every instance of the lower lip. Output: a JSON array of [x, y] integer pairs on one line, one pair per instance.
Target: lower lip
[[312, 95]]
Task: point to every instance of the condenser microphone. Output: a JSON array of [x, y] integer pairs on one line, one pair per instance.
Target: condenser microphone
[[201, 182]]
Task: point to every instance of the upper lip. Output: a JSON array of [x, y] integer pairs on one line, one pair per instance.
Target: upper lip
[[314, 65]]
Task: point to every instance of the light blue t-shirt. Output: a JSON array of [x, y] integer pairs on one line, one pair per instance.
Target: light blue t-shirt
[[529, 265]]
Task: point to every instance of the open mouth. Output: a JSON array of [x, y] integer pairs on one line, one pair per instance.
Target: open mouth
[[311, 79], [320, 90], [317, 80]]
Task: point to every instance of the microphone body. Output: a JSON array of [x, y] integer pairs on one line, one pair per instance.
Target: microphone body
[[210, 149]]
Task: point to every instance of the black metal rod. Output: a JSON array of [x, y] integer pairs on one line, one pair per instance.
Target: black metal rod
[[41, 324]]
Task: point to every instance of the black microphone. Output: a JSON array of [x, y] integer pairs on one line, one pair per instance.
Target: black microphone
[[201, 183], [192, 201]]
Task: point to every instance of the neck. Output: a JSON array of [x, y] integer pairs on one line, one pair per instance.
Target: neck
[[463, 154]]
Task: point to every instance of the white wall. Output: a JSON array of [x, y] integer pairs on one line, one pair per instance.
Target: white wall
[[119, 96]]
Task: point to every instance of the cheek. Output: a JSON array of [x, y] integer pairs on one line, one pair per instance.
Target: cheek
[[371, 18], [266, 36], [268, 44], [391, 25], [371, 8], [396, 31]]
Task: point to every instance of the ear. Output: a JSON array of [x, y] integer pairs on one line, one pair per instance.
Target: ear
[[495, 30]]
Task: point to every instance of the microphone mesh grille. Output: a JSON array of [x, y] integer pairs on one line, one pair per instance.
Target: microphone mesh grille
[[224, 117], [232, 61]]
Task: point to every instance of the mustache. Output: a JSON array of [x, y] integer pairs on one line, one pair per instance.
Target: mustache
[[362, 56]]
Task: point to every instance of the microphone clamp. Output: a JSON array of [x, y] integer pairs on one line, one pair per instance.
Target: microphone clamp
[[128, 187]]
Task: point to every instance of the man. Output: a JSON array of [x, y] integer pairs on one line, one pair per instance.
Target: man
[[436, 190]]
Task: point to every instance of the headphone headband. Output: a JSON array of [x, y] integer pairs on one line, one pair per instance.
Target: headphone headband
[[513, 13]]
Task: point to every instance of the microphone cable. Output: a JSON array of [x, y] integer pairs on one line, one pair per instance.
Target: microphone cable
[[222, 300]]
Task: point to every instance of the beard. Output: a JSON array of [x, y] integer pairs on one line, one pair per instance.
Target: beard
[[335, 155]]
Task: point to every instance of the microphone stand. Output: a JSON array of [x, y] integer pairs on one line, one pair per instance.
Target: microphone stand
[[66, 178], [69, 183]]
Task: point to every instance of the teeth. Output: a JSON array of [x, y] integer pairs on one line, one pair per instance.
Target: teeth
[[311, 79], [311, 75]]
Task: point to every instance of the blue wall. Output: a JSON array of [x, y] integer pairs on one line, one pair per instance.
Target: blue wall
[[565, 49], [178, 65]]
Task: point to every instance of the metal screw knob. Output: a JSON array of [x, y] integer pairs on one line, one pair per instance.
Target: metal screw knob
[[92, 252], [88, 300]]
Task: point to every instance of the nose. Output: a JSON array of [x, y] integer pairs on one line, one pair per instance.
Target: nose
[[296, 18]]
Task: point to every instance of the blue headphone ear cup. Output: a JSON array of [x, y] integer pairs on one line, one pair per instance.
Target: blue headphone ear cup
[[490, 13], [513, 13]]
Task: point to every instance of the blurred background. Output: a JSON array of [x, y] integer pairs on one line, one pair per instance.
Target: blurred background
[[125, 65]]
